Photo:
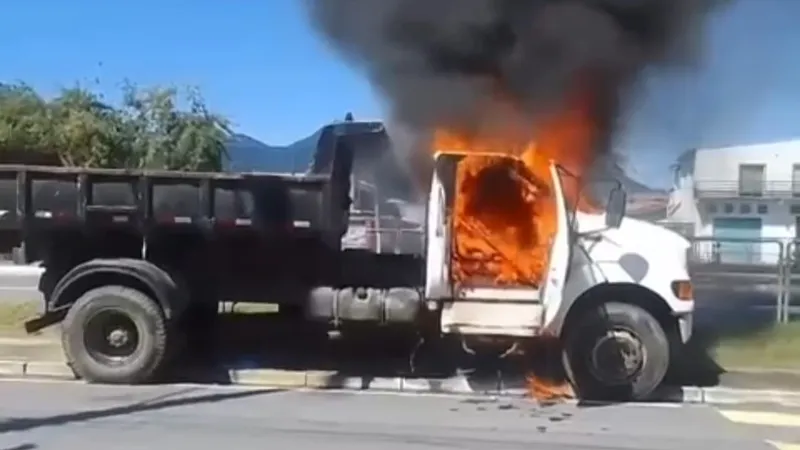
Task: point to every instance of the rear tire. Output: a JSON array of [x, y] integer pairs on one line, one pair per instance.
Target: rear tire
[[616, 352], [115, 335]]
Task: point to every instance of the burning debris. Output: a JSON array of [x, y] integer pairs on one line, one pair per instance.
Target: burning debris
[[534, 80]]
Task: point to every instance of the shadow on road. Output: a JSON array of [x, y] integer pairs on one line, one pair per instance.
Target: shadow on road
[[27, 423], [265, 341], [26, 446], [256, 341]]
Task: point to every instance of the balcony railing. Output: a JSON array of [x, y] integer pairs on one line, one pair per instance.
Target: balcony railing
[[737, 189]]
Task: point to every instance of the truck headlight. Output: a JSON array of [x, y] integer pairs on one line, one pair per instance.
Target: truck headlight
[[683, 290]]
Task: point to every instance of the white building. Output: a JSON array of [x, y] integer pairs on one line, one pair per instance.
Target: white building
[[747, 195]]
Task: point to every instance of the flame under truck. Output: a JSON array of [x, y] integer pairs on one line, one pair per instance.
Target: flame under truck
[[137, 260]]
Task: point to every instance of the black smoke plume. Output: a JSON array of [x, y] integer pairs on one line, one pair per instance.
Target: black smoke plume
[[442, 63]]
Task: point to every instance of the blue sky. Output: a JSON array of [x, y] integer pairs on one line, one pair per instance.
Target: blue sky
[[259, 63]]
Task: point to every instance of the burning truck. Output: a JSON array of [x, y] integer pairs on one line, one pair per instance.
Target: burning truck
[[512, 254], [517, 101]]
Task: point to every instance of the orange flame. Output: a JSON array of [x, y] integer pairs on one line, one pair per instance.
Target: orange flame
[[505, 212], [497, 241], [504, 216], [546, 379]]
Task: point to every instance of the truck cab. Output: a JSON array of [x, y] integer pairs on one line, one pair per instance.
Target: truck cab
[[611, 288]]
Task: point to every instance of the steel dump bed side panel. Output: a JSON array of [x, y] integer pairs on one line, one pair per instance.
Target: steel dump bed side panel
[[58, 195]]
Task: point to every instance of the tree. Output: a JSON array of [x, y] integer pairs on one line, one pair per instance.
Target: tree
[[164, 136], [87, 132], [148, 130], [24, 121]]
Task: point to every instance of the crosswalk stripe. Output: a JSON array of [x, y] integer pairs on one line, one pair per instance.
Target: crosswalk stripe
[[784, 445], [774, 419]]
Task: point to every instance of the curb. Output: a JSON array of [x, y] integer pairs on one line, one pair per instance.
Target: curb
[[456, 385]]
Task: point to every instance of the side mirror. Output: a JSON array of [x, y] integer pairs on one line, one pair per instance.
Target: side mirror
[[615, 209]]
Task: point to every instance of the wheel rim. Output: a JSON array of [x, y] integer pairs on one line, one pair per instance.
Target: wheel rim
[[617, 357], [111, 336]]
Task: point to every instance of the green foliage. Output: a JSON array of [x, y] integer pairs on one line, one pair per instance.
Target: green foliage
[[149, 129], [24, 119]]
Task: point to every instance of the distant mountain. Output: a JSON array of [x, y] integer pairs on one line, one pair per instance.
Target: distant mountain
[[248, 154]]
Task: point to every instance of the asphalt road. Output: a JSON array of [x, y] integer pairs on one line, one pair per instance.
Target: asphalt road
[[71, 416]]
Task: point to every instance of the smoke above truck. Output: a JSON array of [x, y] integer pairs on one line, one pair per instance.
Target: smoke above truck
[[538, 80]]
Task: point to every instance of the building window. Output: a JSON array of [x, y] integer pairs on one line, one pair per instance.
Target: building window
[[751, 180], [745, 208], [762, 209], [728, 208], [794, 210], [796, 180], [711, 208]]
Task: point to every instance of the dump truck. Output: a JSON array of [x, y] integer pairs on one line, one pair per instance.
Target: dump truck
[[132, 256]]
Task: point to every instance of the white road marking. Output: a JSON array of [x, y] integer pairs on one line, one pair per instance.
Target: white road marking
[[763, 418], [766, 419], [784, 445]]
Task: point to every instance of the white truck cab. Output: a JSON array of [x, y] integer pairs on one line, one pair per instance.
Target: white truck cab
[[616, 291]]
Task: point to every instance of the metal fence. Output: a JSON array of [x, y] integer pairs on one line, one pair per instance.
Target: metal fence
[[747, 188], [746, 278]]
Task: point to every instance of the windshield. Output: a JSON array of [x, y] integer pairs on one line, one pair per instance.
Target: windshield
[[585, 194]]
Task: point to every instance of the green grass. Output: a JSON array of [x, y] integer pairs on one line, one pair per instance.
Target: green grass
[[777, 347], [14, 314]]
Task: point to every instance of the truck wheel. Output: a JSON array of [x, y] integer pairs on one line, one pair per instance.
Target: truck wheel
[[616, 352], [115, 335]]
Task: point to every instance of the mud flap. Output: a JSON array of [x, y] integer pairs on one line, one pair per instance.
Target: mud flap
[[47, 319]]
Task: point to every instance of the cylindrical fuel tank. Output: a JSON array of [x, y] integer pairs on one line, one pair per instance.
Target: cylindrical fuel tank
[[384, 306]]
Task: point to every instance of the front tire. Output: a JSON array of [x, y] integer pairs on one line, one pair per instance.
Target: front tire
[[616, 352], [115, 335]]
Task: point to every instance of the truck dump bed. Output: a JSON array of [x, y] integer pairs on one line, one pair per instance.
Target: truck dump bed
[[48, 197]]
